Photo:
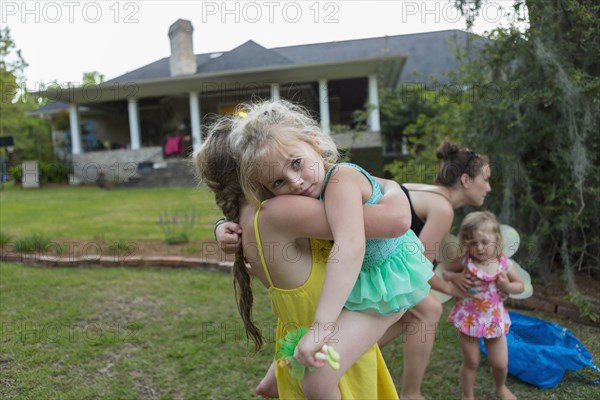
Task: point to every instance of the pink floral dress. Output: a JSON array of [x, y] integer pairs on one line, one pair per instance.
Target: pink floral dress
[[483, 315]]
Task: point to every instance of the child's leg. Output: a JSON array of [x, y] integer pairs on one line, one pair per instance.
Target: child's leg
[[356, 333], [498, 358], [267, 387], [468, 369], [419, 325]]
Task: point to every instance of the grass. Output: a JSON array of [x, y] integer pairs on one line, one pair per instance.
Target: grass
[[33, 242], [4, 239], [122, 248], [87, 213], [99, 333], [129, 333]]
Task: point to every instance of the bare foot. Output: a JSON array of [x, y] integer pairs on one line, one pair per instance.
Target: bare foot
[[267, 388], [505, 393]]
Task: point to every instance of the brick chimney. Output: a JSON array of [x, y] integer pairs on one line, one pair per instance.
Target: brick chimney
[[183, 60]]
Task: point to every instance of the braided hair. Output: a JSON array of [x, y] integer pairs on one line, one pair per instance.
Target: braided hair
[[217, 168]]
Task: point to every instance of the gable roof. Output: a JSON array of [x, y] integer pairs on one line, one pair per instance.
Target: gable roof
[[429, 54], [248, 55]]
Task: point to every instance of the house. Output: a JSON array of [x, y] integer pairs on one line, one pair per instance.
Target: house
[[161, 109]]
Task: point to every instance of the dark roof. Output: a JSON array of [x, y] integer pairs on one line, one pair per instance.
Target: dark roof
[[429, 54], [50, 108], [157, 69], [248, 55]]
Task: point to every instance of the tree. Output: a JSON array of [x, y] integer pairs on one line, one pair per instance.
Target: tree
[[93, 77], [537, 113], [531, 101], [425, 118], [31, 135]]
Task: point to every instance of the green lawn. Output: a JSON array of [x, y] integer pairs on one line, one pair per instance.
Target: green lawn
[[132, 333], [129, 333], [88, 213]]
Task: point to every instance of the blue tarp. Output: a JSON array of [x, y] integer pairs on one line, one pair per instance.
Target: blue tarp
[[540, 352]]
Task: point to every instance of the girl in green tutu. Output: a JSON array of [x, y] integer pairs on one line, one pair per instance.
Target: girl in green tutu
[[282, 151]]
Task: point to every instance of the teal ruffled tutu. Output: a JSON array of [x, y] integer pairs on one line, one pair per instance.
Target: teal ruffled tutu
[[394, 275]]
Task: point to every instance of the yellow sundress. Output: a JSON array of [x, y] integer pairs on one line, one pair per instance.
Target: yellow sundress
[[368, 378]]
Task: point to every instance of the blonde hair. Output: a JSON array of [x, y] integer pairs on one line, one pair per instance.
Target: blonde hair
[[479, 221], [273, 125]]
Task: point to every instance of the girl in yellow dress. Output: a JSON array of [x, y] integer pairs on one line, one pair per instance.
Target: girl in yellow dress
[[292, 267]]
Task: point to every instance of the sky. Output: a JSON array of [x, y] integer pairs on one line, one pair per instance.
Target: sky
[[60, 40]]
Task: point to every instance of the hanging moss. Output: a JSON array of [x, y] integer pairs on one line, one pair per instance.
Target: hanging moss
[[542, 132]]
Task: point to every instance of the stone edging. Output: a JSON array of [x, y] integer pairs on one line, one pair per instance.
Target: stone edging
[[552, 305], [129, 261]]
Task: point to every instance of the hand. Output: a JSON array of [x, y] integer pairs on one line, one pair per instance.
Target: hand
[[311, 344], [503, 282], [229, 237], [462, 280], [455, 291], [477, 285]]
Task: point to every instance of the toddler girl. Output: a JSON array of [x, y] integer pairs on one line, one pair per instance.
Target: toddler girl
[[484, 315]]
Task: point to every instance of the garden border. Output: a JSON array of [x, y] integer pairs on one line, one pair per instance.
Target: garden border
[[552, 305]]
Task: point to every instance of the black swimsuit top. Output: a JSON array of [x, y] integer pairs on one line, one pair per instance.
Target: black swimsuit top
[[417, 223]]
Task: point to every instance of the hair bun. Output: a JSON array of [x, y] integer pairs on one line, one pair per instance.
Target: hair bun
[[447, 150]]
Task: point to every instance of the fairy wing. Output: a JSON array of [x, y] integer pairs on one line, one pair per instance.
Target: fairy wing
[[528, 291], [511, 238]]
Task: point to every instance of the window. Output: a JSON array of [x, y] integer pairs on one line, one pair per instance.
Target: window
[[395, 146]]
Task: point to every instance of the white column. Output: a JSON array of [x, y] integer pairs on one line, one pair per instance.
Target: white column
[[75, 133], [195, 120], [134, 124], [373, 122], [324, 106], [275, 92]]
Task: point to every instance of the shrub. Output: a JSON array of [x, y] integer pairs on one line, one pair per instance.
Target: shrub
[[54, 172], [16, 172], [49, 172]]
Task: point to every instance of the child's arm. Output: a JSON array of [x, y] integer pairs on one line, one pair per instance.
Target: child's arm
[[510, 281], [449, 287], [343, 206], [387, 219]]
